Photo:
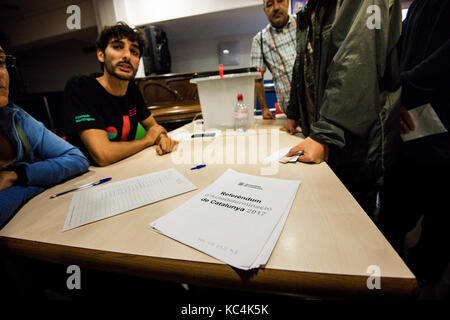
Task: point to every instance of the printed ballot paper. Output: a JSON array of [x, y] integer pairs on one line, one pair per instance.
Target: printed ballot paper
[[280, 156], [103, 202], [238, 219], [427, 123]]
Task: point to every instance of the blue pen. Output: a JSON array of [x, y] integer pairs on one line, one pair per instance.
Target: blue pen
[[82, 187], [199, 166]]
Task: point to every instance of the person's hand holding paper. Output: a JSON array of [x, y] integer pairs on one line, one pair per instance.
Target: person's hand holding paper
[[426, 123]]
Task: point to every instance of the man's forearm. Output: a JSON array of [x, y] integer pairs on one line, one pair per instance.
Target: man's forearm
[[259, 85], [115, 151], [105, 152]]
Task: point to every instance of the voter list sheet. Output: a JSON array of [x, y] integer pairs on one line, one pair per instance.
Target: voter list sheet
[[102, 202], [238, 219]]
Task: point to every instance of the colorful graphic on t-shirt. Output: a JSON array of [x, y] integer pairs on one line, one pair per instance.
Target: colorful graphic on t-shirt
[[132, 112], [140, 132], [84, 117], [126, 128], [112, 133]]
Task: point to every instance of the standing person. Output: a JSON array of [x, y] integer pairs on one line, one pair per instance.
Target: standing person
[[417, 186], [274, 48], [31, 158], [103, 110], [344, 70]]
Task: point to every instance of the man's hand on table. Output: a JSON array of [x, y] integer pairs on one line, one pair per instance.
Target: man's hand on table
[[158, 135], [153, 134], [267, 114], [165, 144], [313, 151], [291, 127]]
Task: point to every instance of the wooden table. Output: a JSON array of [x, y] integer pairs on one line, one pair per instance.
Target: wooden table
[[325, 249]]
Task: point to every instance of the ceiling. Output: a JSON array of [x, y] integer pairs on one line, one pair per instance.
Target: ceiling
[[15, 11], [222, 24], [406, 3], [228, 23], [21, 9]]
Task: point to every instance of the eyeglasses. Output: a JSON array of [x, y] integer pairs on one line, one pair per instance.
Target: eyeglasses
[[8, 62]]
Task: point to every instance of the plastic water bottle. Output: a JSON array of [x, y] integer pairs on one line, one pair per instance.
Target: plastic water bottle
[[240, 115]]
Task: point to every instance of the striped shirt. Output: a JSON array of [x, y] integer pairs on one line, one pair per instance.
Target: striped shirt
[[279, 48]]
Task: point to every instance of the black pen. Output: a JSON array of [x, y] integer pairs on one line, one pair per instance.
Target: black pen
[[82, 187], [203, 135]]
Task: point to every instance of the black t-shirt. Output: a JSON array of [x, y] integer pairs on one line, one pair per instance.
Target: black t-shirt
[[89, 106]]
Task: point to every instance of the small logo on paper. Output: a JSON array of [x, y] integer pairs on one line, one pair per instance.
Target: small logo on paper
[[252, 186]]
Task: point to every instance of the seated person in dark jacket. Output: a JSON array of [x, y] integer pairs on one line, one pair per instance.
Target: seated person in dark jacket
[[103, 112], [31, 158]]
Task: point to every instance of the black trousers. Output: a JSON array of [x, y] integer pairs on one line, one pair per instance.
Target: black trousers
[[410, 191]]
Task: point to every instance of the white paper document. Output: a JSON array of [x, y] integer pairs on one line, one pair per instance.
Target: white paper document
[[238, 219], [427, 123], [99, 203], [280, 156]]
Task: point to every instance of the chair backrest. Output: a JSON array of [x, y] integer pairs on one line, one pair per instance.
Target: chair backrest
[[168, 90], [45, 107]]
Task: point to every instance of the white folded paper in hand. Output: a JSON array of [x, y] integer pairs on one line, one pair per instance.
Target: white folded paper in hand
[[280, 156], [427, 123], [238, 219], [291, 159]]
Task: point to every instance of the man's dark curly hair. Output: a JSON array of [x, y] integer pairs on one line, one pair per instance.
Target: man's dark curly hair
[[120, 31]]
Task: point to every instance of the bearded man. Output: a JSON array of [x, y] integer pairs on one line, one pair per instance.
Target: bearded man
[[103, 111]]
